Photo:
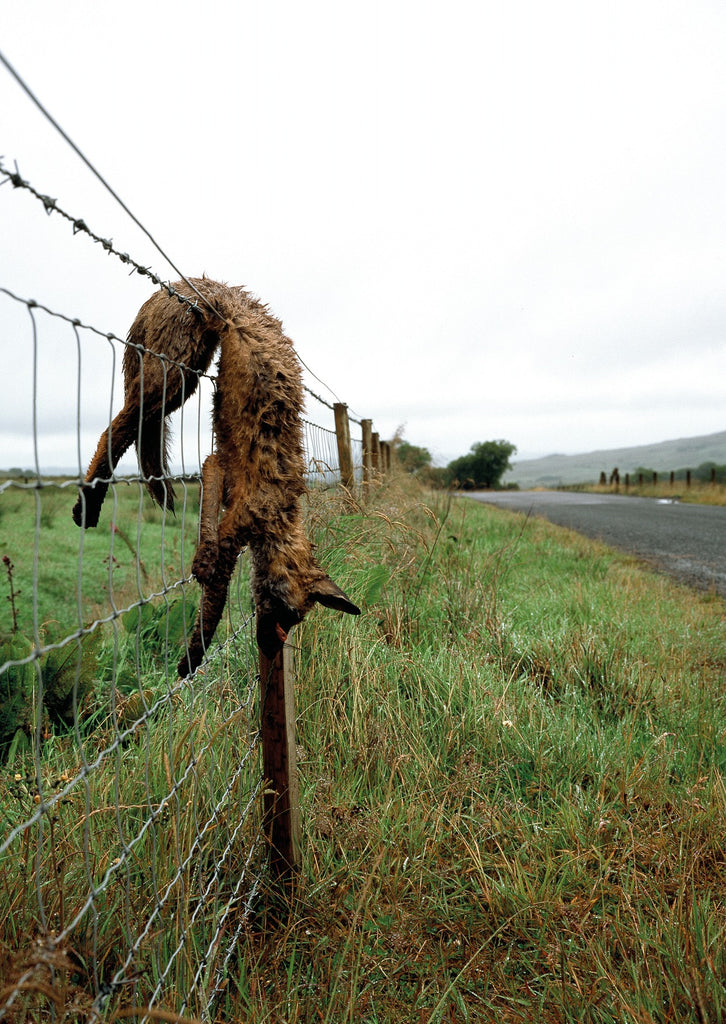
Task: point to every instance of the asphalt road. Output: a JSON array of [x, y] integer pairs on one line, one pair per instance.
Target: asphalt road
[[684, 541]]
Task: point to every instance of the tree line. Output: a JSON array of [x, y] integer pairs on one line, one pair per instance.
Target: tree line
[[482, 468]]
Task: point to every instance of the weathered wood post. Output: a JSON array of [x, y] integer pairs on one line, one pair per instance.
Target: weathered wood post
[[342, 433], [713, 476], [673, 477], [376, 453], [655, 478], [279, 763], [385, 457], [627, 481], [367, 432], [688, 478]]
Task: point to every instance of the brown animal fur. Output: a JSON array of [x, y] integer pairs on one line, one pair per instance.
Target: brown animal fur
[[256, 471], [170, 345]]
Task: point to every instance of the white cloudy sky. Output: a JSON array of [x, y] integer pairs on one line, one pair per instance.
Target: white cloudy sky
[[483, 220]]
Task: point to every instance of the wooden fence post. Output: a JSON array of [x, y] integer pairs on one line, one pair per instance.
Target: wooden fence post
[[385, 457], [342, 433], [279, 762], [688, 478], [376, 452], [367, 431]]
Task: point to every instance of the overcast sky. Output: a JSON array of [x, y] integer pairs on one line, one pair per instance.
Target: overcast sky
[[480, 220]]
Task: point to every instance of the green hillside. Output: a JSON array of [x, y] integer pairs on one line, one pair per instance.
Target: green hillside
[[682, 453]]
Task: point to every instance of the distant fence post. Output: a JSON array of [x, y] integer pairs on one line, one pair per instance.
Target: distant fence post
[[342, 433], [376, 452], [688, 478], [367, 432], [279, 762], [385, 457], [655, 478]]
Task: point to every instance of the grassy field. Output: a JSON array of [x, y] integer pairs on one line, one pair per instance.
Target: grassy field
[[81, 575], [696, 494], [512, 774]]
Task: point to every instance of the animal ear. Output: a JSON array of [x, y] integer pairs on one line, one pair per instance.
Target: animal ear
[[327, 593]]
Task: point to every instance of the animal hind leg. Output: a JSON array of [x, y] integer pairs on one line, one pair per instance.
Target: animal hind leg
[[152, 451], [112, 444], [214, 598], [164, 391], [205, 558]]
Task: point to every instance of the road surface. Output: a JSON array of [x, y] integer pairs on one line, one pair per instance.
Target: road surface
[[685, 541]]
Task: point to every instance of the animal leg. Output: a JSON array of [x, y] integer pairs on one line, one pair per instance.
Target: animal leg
[[214, 597], [152, 452], [112, 444], [205, 559], [164, 391]]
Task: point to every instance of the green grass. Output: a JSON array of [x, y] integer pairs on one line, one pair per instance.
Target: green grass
[[512, 785], [134, 552]]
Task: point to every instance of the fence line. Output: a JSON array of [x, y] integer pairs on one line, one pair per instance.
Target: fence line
[[652, 478], [137, 819]]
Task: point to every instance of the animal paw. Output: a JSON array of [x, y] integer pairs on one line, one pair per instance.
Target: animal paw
[[86, 513], [205, 561]]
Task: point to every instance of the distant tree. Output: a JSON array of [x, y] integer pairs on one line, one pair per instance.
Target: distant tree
[[704, 471], [412, 457], [483, 467]]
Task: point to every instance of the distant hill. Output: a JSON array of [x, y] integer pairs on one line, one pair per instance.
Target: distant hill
[[684, 453]]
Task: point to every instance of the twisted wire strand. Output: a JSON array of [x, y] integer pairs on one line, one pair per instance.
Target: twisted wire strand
[[80, 227], [31, 95]]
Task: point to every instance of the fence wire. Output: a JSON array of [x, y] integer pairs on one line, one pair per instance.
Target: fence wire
[[132, 848]]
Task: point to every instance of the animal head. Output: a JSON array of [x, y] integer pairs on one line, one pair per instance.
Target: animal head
[[282, 605]]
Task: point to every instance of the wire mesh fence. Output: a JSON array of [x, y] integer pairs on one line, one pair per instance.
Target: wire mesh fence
[[132, 847], [132, 799]]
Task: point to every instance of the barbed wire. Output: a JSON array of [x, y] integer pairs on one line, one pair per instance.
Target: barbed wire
[[31, 95], [108, 335], [79, 226], [227, 890], [322, 400], [213, 798]]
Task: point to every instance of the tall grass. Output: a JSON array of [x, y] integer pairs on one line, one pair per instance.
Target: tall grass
[[512, 784], [131, 818]]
